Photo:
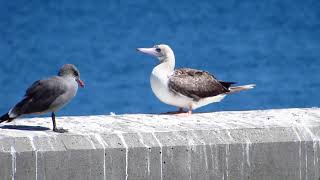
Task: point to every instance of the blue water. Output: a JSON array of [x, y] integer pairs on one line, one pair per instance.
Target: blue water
[[274, 44]]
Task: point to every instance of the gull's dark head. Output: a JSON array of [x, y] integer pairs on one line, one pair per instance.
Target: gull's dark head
[[68, 70]]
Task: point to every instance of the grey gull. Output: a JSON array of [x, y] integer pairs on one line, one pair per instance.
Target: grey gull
[[48, 95]]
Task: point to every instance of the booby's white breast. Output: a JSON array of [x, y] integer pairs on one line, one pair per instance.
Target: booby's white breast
[[159, 84]]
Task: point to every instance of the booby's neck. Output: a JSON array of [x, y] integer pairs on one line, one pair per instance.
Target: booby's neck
[[167, 63]]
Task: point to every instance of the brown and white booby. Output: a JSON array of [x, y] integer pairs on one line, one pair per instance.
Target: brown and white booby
[[48, 95], [185, 88]]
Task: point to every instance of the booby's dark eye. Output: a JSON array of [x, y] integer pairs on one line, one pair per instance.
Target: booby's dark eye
[[158, 49]]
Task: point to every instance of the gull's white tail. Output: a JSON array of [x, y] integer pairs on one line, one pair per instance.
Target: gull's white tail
[[240, 88]]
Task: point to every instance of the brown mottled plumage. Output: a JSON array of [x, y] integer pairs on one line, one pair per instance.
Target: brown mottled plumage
[[196, 84]]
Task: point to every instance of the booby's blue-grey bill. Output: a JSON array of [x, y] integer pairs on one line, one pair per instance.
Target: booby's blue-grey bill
[[150, 51]]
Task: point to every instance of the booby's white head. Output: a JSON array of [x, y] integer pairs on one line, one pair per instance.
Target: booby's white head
[[163, 52]]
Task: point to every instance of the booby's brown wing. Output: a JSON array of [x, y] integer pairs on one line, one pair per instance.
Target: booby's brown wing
[[196, 84]]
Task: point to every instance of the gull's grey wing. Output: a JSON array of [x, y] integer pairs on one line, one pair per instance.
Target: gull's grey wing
[[40, 95], [196, 84]]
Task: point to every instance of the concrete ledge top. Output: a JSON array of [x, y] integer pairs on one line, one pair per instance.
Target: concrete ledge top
[[160, 130], [147, 123]]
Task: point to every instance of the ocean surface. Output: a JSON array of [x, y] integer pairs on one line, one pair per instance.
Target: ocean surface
[[274, 44]]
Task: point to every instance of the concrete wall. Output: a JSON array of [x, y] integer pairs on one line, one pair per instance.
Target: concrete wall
[[271, 144]]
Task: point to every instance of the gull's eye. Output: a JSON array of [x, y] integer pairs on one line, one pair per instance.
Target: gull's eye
[[158, 49], [75, 73]]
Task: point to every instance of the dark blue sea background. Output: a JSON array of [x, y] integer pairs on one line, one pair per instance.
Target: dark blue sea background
[[273, 43]]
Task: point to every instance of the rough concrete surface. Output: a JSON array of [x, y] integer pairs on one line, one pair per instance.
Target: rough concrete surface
[[269, 144]]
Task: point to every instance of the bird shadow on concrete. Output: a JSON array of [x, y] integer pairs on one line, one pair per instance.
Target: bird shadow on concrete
[[25, 128]]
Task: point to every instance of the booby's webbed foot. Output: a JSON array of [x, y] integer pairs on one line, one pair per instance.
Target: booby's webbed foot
[[185, 114], [189, 113], [173, 112], [176, 112], [60, 130]]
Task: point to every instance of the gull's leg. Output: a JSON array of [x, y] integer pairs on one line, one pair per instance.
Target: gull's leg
[[53, 117], [55, 129]]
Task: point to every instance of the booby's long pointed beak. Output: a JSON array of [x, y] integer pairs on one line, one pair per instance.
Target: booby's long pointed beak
[[150, 51], [80, 82]]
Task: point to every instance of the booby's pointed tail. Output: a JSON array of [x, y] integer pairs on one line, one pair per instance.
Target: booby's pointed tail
[[5, 117], [240, 88]]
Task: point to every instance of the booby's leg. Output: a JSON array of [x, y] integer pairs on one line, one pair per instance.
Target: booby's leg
[[190, 110], [186, 113], [55, 129], [176, 112]]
